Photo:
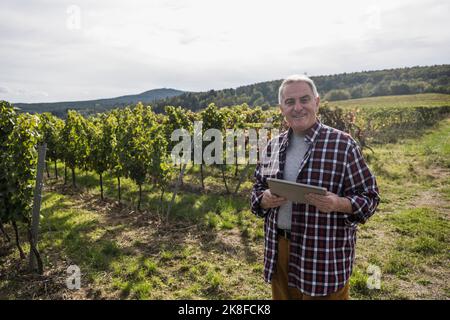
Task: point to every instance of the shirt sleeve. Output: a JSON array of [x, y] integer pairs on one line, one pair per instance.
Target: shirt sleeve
[[260, 181], [360, 187], [259, 186]]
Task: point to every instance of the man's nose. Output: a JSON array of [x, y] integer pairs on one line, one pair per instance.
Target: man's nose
[[298, 106]]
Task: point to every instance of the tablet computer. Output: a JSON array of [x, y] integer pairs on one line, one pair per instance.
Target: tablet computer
[[293, 191]]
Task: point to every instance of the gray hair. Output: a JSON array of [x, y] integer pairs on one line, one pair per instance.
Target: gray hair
[[297, 78]]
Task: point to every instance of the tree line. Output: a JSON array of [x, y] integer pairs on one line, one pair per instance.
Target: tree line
[[432, 79]]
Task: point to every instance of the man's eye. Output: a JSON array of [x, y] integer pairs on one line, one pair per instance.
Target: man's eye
[[304, 100]]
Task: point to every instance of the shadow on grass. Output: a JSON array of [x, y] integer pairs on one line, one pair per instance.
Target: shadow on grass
[[86, 234]]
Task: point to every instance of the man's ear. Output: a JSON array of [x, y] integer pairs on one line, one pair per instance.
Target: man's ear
[[317, 103]]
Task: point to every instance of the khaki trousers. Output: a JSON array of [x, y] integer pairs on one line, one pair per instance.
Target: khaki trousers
[[280, 289]]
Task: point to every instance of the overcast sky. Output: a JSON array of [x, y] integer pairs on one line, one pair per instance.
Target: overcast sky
[[77, 50]]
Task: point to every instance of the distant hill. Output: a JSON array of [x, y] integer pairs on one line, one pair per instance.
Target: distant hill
[[99, 105], [429, 79], [344, 86]]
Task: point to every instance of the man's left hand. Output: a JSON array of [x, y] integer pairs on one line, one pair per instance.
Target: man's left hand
[[329, 202]]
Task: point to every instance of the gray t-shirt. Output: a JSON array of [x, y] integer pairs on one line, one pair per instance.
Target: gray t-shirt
[[295, 153]]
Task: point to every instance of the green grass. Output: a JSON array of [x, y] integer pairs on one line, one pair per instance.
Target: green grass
[[409, 236], [401, 101], [159, 265]]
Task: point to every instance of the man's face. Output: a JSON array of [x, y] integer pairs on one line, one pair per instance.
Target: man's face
[[299, 106]]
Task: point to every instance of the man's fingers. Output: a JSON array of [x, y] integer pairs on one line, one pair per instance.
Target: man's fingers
[[315, 195], [315, 201], [276, 198], [270, 200], [276, 203], [319, 200], [271, 196]]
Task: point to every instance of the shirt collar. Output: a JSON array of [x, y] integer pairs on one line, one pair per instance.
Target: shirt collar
[[310, 135], [313, 132]]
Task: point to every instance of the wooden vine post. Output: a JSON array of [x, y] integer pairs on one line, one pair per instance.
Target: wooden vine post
[[35, 259]]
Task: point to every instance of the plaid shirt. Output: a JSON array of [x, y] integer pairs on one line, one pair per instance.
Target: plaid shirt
[[322, 246]]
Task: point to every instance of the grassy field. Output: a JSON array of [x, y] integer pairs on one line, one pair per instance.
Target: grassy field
[[404, 101], [212, 247]]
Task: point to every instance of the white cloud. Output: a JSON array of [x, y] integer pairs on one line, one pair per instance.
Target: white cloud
[[114, 47]]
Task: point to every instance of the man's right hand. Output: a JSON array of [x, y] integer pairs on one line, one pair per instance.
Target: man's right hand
[[270, 200]]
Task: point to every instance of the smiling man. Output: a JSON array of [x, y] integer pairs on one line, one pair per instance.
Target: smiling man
[[310, 247]]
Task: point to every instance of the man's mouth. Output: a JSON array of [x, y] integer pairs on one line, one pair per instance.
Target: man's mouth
[[299, 116]]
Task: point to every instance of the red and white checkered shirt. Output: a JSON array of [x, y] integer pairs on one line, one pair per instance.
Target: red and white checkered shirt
[[322, 246]]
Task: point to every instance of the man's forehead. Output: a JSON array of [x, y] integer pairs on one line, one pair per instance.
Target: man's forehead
[[297, 96], [297, 89]]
